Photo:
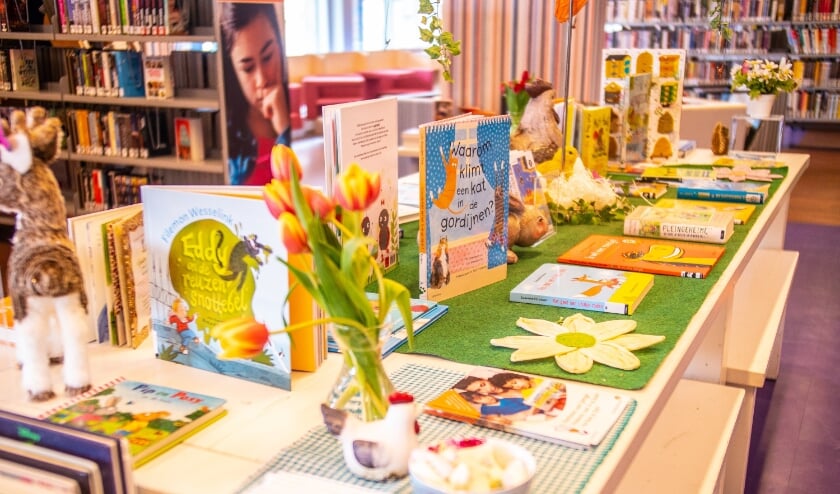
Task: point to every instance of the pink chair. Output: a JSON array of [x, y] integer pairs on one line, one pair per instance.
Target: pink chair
[[320, 90], [295, 92]]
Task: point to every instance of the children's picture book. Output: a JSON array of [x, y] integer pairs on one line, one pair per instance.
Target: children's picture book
[[214, 256], [695, 225], [365, 133], [189, 139], [151, 417], [562, 412], [110, 454], [720, 190], [646, 255], [636, 117], [583, 288], [423, 314], [24, 68], [635, 188], [677, 174], [157, 75], [593, 141], [741, 212], [464, 187]]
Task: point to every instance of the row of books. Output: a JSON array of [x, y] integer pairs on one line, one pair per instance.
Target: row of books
[[101, 189], [119, 73], [701, 39], [14, 15], [736, 10], [135, 134], [822, 74], [817, 40], [814, 104], [135, 17]]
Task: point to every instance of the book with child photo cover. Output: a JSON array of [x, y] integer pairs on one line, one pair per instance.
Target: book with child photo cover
[[572, 414]]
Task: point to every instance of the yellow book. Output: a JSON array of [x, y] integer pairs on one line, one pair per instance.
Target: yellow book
[[740, 211]]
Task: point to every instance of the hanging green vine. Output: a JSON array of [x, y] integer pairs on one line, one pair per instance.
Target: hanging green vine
[[443, 45], [717, 22]]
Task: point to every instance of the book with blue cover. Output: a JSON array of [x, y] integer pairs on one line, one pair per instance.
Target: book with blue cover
[[718, 190], [583, 288]]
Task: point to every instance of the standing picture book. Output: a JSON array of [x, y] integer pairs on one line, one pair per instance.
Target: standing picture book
[[365, 133], [562, 412], [695, 225], [720, 190], [583, 288], [214, 259], [189, 139], [742, 212], [157, 75], [593, 138], [151, 417], [110, 454], [464, 186], [646, 255]]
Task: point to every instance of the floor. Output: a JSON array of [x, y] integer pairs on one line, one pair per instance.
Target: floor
[[796, 431]]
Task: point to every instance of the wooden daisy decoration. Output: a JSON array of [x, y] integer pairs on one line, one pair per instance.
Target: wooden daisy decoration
[[577, 342]]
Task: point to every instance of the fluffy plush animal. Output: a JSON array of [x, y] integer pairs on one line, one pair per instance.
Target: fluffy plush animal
[[377, 450], [526, 225], [45, 280], [538, 130]]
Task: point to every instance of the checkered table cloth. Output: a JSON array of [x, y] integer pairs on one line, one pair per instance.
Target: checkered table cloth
[[559, 469]]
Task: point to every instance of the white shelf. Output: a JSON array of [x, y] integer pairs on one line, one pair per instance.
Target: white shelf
[[206, 100], [32, 95], [760, 299], [215, 166], [686, 449]]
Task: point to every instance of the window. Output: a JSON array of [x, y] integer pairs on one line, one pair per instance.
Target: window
[[320, 26]]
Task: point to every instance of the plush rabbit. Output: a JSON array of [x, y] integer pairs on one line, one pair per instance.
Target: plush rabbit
[[45, 281]]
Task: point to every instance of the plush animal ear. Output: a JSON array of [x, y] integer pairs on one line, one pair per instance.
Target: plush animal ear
[[19, 156]]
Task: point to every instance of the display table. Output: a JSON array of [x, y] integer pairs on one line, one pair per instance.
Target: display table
[[691, 425]]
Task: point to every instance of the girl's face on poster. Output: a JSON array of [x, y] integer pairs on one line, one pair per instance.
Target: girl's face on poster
[[255, 54]]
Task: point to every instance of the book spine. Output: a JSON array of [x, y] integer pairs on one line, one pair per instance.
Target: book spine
[[675, 231], [721, 195], [569, 303]]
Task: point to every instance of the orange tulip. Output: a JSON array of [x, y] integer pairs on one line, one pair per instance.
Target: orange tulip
[[321, 205], [284, 161], [292, 234], [356, 189], [278, 197], [240, 337]]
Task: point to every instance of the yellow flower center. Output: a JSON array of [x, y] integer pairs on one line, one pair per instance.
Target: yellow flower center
[[576, 340]]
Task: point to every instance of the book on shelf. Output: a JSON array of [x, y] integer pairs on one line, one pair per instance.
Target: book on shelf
[[129, 67], [592, 136], [27, 468], [645, 255], [214, 258], [583, 288], [563, 412], [694, 225], [423, 314], [110, 454], [152, 418], [365, 133], [5, 71], [677, 173], [24, 69], [721, 190], [157, 76], [464, 187], [189, 139], [741, 211]]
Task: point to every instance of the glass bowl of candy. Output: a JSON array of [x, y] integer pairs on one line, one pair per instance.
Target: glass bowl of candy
[[471, 466]]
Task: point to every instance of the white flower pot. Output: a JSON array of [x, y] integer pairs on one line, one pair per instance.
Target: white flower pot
[[762, 106]]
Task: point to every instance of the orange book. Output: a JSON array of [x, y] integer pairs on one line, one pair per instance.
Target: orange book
[[646, 255]]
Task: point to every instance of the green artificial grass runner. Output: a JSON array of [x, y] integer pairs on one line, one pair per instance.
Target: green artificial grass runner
[[474, 318]]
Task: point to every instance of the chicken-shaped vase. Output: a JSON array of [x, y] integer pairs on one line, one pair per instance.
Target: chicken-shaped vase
[[377, 450]]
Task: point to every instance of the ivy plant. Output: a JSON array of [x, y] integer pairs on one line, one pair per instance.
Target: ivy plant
[[442, 45]]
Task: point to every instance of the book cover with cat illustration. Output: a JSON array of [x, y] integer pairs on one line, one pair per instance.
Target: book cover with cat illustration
[[464, 187], [214, 258]]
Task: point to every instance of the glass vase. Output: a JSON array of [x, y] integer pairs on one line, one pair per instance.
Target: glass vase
[[362, 386]]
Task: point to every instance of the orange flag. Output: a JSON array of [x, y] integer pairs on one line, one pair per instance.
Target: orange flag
[[561, 9]]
